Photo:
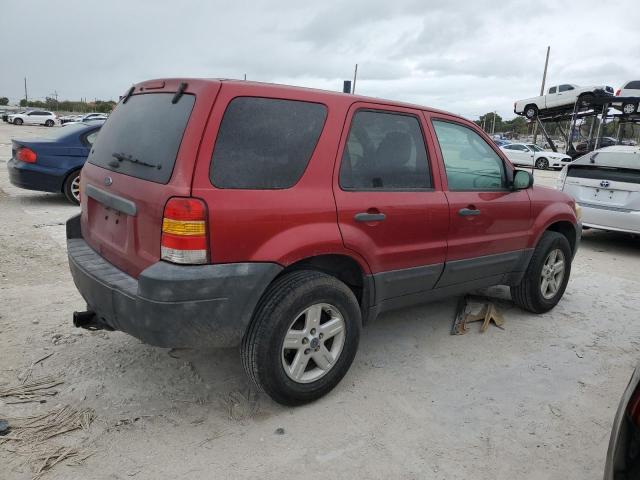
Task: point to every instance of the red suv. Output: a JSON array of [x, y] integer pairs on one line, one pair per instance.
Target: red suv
[[221, 213]]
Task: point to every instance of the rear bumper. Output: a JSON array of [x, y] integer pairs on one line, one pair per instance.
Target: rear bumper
[[170, 305], [30, 177], [610, 218]]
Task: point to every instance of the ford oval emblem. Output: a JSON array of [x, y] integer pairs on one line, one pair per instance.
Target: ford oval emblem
[[604, 183], [108, 181]]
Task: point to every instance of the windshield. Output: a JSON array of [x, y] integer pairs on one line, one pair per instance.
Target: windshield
[[141, 138], [65, 131]]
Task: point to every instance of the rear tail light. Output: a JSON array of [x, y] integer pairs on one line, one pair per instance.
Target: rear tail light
[[617, 92], [26, 155], [184, 231]]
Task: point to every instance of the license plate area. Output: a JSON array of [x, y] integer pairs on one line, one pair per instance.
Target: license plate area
[[605, 195], [109, 225]]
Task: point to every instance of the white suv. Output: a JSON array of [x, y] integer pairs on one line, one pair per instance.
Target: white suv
[[34, 117]]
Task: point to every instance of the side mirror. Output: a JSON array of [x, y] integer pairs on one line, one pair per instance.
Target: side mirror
[[522, 180]]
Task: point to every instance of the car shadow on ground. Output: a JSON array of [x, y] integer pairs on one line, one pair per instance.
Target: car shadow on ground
[[604, 241], [45, 199]]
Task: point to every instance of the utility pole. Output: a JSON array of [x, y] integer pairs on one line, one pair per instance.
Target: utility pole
[[26, 96], [355, 74], [544, 80]]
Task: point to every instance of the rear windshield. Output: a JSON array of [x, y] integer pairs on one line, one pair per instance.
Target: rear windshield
[[68, 130], [141, 138], [626, 175]]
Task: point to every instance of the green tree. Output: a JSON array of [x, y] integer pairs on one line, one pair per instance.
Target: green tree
[[486, 121], [4, 101], [23, 102]]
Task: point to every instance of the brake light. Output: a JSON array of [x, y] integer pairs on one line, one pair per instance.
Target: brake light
[[184, 231], [27, 155], [617, 92]]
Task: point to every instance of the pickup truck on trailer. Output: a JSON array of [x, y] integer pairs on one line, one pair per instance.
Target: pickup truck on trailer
[[559, 96]]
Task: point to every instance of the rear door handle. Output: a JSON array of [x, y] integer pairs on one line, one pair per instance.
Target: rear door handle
[[369, 217], [468, 212]]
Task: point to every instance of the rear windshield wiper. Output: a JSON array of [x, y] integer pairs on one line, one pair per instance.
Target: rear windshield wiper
[[128, 158], [181, 88]]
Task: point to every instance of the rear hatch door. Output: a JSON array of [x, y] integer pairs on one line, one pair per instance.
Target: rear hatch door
[[144, 155], [612, 185]]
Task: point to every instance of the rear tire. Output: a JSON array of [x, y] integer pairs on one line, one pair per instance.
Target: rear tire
[[536, 293], [542, 163], [286, 311], [628, 108], [71, 188], [49, 123], [17, 121]]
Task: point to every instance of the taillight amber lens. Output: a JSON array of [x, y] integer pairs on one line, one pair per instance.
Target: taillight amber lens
[[184, 231]]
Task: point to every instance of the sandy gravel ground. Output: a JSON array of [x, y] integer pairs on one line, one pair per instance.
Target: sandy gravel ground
[[534, 401]]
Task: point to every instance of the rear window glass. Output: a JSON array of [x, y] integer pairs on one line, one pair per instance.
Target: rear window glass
[[141, 138], [265, 143], [68, 130]]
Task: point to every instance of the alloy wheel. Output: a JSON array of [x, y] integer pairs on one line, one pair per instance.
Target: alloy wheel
[[75, 188], [552, 273], [313, 343]]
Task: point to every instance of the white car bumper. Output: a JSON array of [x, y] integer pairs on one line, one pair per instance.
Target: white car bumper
[[610, 218], [559, 162]]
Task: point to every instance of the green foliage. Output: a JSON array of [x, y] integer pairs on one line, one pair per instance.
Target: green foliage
[[4, 101], [517, 125], [50, 103]]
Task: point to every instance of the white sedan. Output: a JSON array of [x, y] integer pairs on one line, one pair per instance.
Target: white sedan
[[529, 154], [606, 184]]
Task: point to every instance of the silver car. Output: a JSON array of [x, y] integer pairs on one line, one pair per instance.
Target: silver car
[[606, 184], [623, 455]]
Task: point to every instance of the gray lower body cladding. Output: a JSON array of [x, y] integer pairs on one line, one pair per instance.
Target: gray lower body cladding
[[170, 305]]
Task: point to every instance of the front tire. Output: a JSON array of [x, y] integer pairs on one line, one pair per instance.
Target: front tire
[[71, 188], [303, 337], [531, 111], [542, 163], [628, 108], [547, 275], [17, 121], [586, 99]]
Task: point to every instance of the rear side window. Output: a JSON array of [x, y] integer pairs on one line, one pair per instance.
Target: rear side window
[[634, 85], [142, 137], [265, 143], [384, 151], [565, 88]]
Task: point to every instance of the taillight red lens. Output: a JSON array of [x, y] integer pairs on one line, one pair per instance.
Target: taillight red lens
[[618, 93], [184, 231], [27, 155]]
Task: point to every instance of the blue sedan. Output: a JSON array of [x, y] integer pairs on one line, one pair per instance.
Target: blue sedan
[[53, 163]]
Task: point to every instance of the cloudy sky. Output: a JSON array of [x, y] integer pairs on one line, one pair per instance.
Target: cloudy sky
[[468, 57]]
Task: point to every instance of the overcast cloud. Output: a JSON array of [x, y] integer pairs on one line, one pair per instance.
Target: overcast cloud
[[467, 57]]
